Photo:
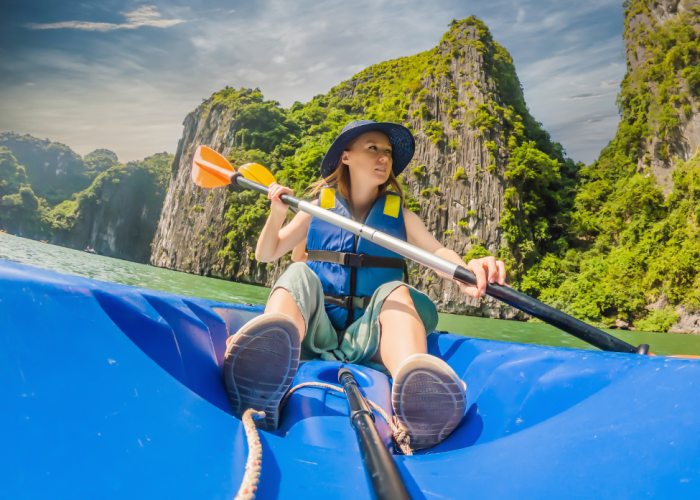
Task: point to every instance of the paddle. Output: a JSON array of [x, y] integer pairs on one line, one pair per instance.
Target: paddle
[[384, 477], [210, 169], [217, 170]]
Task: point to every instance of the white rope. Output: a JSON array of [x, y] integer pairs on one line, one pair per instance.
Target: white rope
[[403, 441], [253, 465]]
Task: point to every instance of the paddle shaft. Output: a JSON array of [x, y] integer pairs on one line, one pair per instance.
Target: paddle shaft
[[533, 307], [383, 475]]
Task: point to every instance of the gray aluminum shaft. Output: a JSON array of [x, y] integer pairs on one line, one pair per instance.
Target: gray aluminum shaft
[[383, 240]]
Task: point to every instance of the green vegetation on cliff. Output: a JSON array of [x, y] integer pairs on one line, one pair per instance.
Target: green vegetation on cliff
[[144, 183], [53, 170], [633, 244], [657, 95], [20, 209]]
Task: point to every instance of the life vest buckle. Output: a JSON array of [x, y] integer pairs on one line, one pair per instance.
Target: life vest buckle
[[354, 260], [359, 302]]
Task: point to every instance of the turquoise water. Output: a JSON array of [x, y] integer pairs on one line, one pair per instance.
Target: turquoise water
[[65, 260]]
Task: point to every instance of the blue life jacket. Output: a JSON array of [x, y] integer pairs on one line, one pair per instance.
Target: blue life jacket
[[351, 268]]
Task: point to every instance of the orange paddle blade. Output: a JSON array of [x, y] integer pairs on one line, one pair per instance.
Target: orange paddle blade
[[210, 169], [257, 173]]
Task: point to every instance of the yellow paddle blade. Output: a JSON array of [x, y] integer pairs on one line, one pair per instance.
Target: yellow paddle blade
[[257, 173], [210, 169]]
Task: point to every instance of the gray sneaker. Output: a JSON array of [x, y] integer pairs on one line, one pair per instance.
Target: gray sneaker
[[428, 398], [260, 364]]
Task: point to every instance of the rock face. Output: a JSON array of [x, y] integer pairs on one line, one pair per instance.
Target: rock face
[[192, 226], [472, 198], [466, 109], [651, 30], [118, 214], [688, 322]]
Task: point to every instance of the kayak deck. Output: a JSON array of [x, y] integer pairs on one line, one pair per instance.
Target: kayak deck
[[112, 391]]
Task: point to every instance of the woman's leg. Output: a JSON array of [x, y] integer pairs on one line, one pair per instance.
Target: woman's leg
[[298, 293], [402, 331], [262, 358], [281, 301], [427, 396]]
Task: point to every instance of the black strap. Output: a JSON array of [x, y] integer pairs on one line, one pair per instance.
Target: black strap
[[350, 317], [356, 259], [346, 301]]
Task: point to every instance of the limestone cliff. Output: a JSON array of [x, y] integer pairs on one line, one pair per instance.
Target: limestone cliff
[[118, 214], [485, 178], [660, 39]]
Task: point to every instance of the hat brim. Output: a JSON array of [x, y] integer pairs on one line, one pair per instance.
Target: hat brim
[[403, 146]]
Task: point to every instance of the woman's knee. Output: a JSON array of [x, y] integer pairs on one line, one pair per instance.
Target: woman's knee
[[400, 294], [399, 300]]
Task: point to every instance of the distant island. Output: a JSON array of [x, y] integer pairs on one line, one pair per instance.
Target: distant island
[[48, 192]]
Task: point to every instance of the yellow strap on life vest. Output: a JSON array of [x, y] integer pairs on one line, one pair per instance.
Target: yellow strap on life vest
[[392, 205], [328, 198]]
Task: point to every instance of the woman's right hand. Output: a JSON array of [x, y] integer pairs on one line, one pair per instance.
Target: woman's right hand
[[274, 193]]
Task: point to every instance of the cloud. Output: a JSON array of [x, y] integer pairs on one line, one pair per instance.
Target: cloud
[[610, 83], [589, 95], [146, 15], [317, 67], [291, 79]]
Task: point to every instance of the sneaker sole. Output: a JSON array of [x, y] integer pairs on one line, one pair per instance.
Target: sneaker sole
[[428, 399], [260, 364]]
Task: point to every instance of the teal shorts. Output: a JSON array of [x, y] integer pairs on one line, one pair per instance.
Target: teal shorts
[[360, 340]]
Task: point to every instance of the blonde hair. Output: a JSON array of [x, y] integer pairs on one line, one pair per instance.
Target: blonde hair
[[340, 180]]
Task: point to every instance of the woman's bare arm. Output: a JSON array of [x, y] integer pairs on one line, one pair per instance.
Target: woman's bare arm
[[487, 269], [275, 240], [299, 253]]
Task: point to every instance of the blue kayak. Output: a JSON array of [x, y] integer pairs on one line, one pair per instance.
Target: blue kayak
[[111, 391]]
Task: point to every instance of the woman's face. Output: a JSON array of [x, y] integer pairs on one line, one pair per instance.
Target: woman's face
[[369, 158]]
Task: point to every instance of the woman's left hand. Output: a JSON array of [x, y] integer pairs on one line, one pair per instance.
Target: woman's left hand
[[487, 270]]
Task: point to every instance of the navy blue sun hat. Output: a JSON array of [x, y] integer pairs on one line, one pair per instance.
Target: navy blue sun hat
[[402, 144]]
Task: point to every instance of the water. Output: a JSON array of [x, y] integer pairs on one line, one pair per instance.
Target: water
[[65, 260]]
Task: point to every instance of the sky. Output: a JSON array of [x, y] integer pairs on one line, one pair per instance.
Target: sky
[[123, 74]]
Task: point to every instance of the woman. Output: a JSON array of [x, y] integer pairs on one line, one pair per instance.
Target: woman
[[348, 301]]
